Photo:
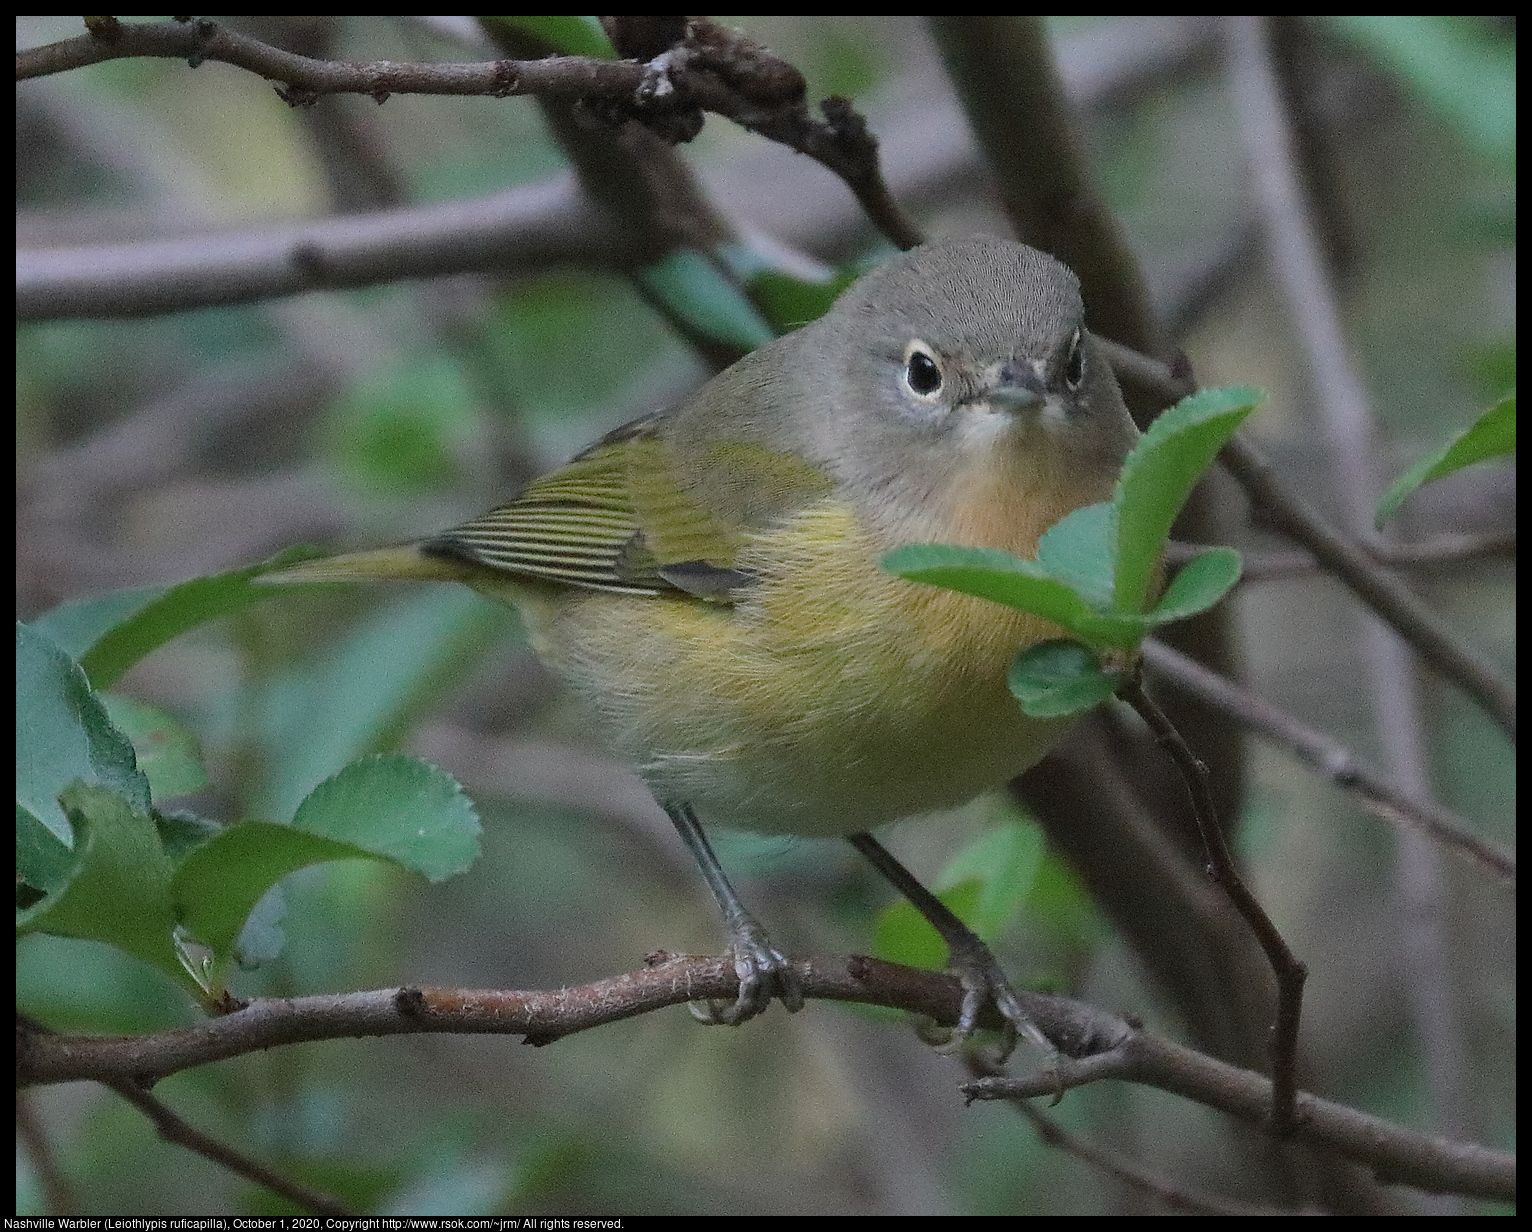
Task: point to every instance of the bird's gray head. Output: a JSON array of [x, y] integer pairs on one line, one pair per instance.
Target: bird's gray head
[[959, 347]]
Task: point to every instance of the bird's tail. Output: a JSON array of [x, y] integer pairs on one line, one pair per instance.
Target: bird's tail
[[404, 562]]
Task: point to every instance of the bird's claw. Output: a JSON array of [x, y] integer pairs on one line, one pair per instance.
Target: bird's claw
[[764, 975]]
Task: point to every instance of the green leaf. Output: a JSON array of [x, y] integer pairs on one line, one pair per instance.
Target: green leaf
[[1055, 679], [902, 935], [169, 755], [385, 807], [1159, 475], [131, 624], [693, 288], [63, 735], [1021, 584], [120, 890], [397, 807], [788, 302], [219, 883], [570, 36], [1198, 585], [43, 863], [1492, 435], [990, 574], [1080, 549]]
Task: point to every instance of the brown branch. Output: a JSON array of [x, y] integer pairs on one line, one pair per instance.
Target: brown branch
[[173, 1129], [981, 1065], [306, 79], [714, 70], [549, 223], [1372, 791], [521, 228], [1395, 1154], [1100, 1045], [1290, 973], [1379, 590], [540, 1017], [1388, 597]]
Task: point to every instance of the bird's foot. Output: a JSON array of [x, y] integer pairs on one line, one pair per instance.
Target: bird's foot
[[764, 975]]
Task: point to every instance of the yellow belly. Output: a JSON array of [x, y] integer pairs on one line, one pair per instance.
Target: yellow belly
[[833, 698]]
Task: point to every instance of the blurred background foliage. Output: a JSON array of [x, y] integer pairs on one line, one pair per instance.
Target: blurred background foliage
[[159, 448]]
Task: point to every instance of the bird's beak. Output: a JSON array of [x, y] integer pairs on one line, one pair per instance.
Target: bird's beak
[[1017, 389]]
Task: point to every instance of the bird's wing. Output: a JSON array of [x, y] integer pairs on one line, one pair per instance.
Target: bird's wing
[[616, 518]]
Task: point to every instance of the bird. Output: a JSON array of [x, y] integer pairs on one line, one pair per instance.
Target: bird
[[707, 578]]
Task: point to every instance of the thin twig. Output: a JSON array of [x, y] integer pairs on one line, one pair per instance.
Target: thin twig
[[1395, 1155], [1375, 793], [981, 1064], [36, 1149], [176, 1130], [1301, 275], [1437, 552], [1289, 972], [1125, 1171], [1388, 597]]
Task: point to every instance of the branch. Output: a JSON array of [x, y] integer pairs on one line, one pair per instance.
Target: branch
[[1290, 973], [713, 69], [1439, 551], [1395, 1154], [540, 1017], [173, 1129], [1101, 1045], [1390, 599], [1375, 793], [548, 223], [544, 223]]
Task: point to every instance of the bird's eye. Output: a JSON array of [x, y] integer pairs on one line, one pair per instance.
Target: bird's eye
[[921, 372], [1074, 364]]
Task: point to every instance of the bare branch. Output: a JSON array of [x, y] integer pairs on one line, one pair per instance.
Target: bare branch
[[1112, 1164], [1102, 1046], [1437, 552], [516, 229], [550, 223], [1388, 597], [540, 1017], [1289, 972], [174, 1129], [1338, 764], [1395, 1154], [714, 69]]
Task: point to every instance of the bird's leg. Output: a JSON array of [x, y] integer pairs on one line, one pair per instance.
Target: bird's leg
[[763, 972], [981, 976]]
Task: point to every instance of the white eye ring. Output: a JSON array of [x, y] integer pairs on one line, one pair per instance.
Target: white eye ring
[[1074, 363], [923, 375]]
